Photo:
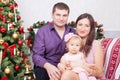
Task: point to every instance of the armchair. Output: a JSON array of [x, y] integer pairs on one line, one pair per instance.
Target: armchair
[[112, 58]]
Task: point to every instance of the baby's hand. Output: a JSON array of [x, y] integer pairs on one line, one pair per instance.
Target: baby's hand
[[69, 67]]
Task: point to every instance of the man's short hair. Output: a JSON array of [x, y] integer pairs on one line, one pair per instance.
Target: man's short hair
[[61, 6]]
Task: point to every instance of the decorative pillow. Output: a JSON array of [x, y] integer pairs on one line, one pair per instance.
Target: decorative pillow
[[112, 58]]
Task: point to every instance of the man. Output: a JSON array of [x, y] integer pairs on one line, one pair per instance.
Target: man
[[49, 44]]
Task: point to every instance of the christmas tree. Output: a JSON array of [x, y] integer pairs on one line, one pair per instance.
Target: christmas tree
[[14, 62], [99, 31]]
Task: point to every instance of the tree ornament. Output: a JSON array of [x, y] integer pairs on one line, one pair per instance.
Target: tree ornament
[[11, 25], [18, 17], [30, 28], [16, 67], [18, 53], [23, 59], [4, 78], [7, 70], [42, 23], [1, 9], [29, 43], [20, 42], [4, 1], [16, 5], [29, 78], [21, 30], [37, 24], [1, 40], [3, 18], [3, 30], [15, 35], [27, 71], [10, 15], [12, 6], [28, 75]]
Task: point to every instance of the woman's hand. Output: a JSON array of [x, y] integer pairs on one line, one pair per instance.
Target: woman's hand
[[89, 68], [53, 72]]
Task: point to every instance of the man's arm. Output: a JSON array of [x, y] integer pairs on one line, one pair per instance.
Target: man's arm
[[39, 49]]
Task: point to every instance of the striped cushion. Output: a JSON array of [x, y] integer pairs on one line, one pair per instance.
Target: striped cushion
[[112, 58]]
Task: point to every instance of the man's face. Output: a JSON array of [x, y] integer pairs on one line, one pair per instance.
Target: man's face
[[60, 17]]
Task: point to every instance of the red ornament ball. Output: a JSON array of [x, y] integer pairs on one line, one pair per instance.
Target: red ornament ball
[[4, 78], [30, 28], [21, 30], [3, 30], [16, 67], [23, 59], [18, 17], [11, 7], [20, 42]]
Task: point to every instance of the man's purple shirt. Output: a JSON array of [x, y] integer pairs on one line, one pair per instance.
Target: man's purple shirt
[[48, 46]]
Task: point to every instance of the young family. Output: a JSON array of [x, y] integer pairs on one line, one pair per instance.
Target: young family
[[63, 53]]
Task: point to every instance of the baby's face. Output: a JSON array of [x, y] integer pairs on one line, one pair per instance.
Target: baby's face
[[74, 46]]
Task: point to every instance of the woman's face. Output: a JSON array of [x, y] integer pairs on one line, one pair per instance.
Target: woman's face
[[83, 27]]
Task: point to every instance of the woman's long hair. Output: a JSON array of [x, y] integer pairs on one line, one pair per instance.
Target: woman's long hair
[[91, 35]]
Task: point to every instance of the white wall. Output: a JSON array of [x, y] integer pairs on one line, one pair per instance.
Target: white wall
[[106, 12]]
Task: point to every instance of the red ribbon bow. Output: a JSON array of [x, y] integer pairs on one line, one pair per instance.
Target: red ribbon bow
[[10, 48]]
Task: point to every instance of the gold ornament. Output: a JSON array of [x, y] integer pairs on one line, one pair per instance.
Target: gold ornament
[[28, 74], [1, 40], [18, 53], [10, 15], [27, 71], [29, 78], [4, 1], [37, 24], [15, 35], [7, 70]]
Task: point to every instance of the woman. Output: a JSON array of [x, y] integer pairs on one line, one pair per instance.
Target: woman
[[92, 49]]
